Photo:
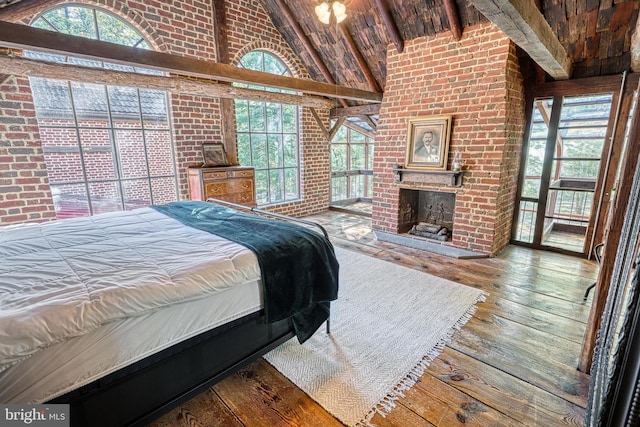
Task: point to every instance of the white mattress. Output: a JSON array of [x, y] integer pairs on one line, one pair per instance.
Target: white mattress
[[83, 297], [76, 362]]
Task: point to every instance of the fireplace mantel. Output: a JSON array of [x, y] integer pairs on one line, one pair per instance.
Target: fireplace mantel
[[449, 178]]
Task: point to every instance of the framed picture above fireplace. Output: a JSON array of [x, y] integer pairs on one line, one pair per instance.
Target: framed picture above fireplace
[[428, 142]]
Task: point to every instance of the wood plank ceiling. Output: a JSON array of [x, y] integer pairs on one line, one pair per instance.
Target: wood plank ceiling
[[596, 35]]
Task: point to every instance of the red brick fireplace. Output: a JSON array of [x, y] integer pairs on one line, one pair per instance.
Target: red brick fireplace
[[478, 82]]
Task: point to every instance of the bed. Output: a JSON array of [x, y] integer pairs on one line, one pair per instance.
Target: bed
[[126, 315]]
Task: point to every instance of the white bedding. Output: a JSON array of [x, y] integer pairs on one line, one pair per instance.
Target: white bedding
[[78, 361], [64, 278]]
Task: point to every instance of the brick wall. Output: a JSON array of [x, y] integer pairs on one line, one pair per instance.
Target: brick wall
[[182, 28], [24, 187], [477, 81]]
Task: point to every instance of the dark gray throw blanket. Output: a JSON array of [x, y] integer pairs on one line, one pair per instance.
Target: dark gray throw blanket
[[298, 266]]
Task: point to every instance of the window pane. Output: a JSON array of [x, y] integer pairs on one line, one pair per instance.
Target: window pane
[[52, 101], [155, 112], [124, 107], [291, 183], [253, 61], [338, 157], [357, 186], [61, 155], [273, 65], [357, 156], [136, 194], [290, 150], [276, 182], [70, 200], [273, 117], [276, 159], [259, 150], [341, 135], [339, 188], [115, 31], [164, 190], [105, 197], [289, 118], [357, 137], [98, 154], [90, 103], [242, 116], [262, 187], [77, 21], [244, 149], [257, 116], [526, 221], [159, 153], [133, 161]]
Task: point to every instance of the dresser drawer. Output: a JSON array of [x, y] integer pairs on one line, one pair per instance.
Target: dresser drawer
[[240, 185], [214, 175], [240, 174], [223, 188]]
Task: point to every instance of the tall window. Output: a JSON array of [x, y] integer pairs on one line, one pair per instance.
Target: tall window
[[268, 136], [107, 148], [558, 199], [351, 165]]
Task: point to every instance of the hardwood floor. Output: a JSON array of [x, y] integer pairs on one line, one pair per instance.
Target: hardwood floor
[[514, 362]]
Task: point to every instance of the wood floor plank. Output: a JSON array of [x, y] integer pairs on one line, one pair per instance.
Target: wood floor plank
[[443, 405], [541, 344], [519, 399], [260, 396], [400, 416], [556, 378], [206, 409], [560, 326]]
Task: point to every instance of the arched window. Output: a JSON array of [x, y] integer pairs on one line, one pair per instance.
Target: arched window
[[268, 137], [106, 148]]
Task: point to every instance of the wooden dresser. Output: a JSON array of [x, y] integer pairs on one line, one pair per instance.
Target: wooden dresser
[[234, 184]]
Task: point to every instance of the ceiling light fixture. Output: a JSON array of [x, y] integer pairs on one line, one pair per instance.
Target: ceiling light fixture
[[337, 9]]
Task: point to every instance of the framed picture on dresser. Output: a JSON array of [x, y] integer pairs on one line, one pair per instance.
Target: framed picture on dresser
[[214, 155]]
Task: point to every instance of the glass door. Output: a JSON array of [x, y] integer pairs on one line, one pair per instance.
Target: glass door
[[566, 143]]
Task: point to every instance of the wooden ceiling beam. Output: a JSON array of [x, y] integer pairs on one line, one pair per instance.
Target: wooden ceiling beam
[[368, 120], [227, 107], [390, 24], [451, 8], [364, 67], [288, 14], [360, 129], [525, 25], [359, 110], [335, 128], [24, 37], [177, 85]]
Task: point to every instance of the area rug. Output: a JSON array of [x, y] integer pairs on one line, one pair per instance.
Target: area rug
[[388, 324]]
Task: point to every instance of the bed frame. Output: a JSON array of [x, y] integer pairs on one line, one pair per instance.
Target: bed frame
[[145, 390]]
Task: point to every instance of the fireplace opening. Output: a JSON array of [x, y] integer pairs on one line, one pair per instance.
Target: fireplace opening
[[427, 214]]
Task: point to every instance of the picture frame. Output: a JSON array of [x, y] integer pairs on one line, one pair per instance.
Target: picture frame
[[213, 155], [428, 142]]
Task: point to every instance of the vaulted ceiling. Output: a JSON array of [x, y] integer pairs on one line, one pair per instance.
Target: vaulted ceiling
[[594, 36]]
